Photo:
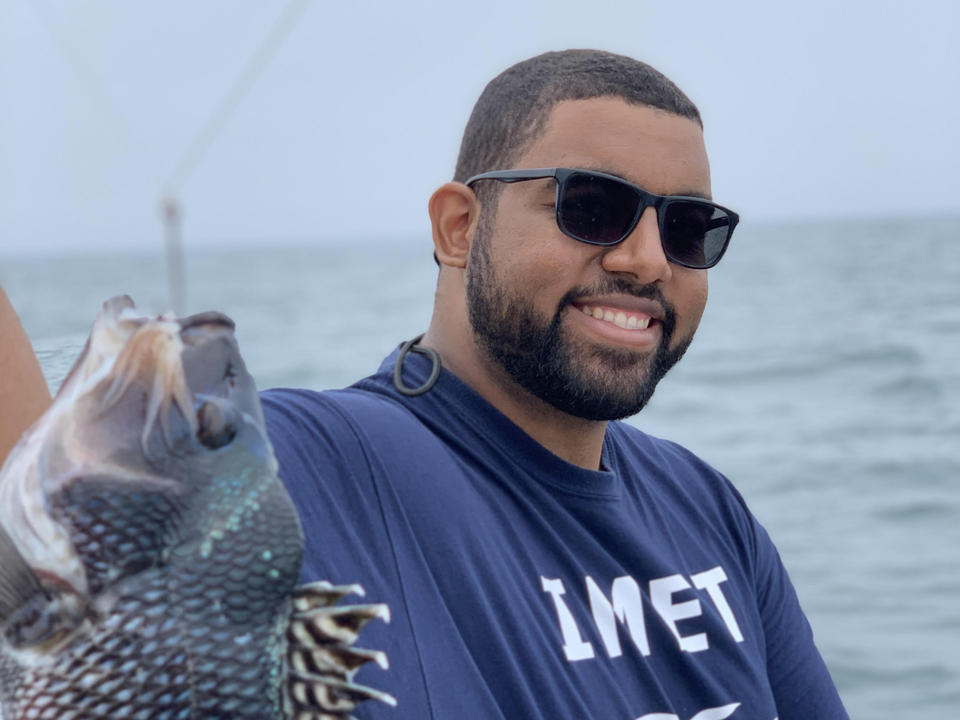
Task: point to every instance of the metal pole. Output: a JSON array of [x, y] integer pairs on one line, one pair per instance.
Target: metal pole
[[176, 271]]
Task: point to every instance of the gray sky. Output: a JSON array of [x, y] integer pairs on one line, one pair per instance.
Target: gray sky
[[813, 109]]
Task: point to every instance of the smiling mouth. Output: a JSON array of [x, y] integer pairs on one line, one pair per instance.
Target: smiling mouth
[[626, 319]]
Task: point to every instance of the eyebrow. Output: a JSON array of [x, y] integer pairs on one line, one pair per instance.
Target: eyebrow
[[693, 193], [684, 193]]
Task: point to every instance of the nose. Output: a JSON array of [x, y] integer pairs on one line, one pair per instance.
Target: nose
[[641, 253]]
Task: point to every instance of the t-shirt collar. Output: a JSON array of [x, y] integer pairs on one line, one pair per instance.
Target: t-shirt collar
[[451, 401]]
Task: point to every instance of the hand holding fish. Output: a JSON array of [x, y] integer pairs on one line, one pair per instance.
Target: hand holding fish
[[23, 391]]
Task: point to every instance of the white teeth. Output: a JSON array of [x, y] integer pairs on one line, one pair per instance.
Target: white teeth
[[620, 319]]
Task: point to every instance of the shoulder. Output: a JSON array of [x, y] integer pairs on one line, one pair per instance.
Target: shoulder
[[689, 492], [668, 460], [675, 478], [334, 415], [349, 428], [311, 430]]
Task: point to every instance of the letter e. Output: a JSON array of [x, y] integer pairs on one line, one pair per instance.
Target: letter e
[[661, 595]]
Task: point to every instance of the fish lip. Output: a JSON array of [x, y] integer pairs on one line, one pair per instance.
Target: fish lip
[[211, 317]]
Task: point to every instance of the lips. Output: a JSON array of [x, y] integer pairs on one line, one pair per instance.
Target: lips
[[627, 319], [627, 312]]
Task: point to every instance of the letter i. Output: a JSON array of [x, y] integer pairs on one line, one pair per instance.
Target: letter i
[[574, 646]]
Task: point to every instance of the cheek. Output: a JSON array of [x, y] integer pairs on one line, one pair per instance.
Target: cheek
[[530, 254], [692, 300], [544, 275]]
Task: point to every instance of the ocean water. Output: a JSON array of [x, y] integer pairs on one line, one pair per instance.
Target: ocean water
[[824, 381]]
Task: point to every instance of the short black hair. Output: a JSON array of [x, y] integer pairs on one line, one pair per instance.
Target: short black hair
[[513, 109]]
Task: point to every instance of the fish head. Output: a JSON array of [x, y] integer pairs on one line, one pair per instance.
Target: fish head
[[154, 413], [176, 400]]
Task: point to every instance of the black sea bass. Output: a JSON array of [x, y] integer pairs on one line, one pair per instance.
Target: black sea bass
[[148, 553]]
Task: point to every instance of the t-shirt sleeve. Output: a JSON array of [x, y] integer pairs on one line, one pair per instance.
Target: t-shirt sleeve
[[801, 683]]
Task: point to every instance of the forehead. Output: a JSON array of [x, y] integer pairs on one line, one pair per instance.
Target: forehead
[[662, 152]]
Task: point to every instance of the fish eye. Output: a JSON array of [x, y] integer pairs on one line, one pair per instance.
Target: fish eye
[[230, 374], [218, 426]]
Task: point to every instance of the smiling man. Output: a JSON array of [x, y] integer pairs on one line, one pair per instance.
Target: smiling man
[[542, 560]]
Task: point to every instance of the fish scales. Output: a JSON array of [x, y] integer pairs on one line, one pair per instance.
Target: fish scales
[[148, 553]]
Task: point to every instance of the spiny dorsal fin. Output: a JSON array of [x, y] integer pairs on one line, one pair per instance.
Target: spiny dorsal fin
[[321, 658], [332, 695], [322, 594], [335, 659], [18, 584], [341, 624]]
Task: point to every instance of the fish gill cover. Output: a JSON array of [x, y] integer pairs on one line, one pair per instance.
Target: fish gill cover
[[149, 554]]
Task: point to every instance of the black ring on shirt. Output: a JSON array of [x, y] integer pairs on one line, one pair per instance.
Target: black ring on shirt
[[411, 346]]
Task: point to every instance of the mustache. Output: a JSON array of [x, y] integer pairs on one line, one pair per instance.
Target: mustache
[[620, 286]]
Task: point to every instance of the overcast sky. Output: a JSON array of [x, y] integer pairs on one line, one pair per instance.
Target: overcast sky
[[812, 109]]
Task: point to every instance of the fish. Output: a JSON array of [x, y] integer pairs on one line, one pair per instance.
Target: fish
[[149, 554]]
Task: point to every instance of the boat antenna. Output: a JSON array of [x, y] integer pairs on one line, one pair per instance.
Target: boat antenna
[[170, 207], [171, 212]]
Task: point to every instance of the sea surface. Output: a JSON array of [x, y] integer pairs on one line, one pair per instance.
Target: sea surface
[[824, 381]]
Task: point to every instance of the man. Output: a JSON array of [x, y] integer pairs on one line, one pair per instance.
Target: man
[[540, 560]]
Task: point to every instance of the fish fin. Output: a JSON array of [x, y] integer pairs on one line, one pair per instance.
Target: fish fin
[[322, 594], [340, 624], [334, 659], [321, 656], [332, 695], [18, 583]]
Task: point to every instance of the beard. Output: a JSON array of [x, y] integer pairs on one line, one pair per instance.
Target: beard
[[582, 379]]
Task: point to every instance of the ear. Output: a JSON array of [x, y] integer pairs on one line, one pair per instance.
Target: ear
[[454, 213]]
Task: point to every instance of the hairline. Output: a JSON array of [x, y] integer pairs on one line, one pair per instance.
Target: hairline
[[490, 197]]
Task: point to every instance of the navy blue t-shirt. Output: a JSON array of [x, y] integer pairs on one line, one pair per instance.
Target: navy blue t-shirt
[[526, 588]]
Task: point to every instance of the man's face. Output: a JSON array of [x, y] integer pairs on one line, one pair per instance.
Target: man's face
[[589, 330]]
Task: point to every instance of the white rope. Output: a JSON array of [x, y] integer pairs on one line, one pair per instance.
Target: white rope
[[78, 63], [257, 64]]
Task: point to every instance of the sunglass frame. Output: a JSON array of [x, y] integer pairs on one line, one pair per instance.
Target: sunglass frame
[[647, 199]]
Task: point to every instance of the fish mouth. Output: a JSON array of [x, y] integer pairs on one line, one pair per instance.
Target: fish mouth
[[183, 376], [183, 370], [207, 318]]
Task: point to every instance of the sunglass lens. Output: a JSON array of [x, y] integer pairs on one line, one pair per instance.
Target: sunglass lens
[[596, 210], [695, 234]]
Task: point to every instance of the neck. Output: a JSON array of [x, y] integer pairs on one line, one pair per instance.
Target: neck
[[573, 439]]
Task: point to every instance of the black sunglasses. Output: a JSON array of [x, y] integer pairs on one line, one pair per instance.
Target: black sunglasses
[[602, 209]]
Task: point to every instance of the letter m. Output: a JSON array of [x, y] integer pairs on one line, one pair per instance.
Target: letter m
[[625, 604]]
